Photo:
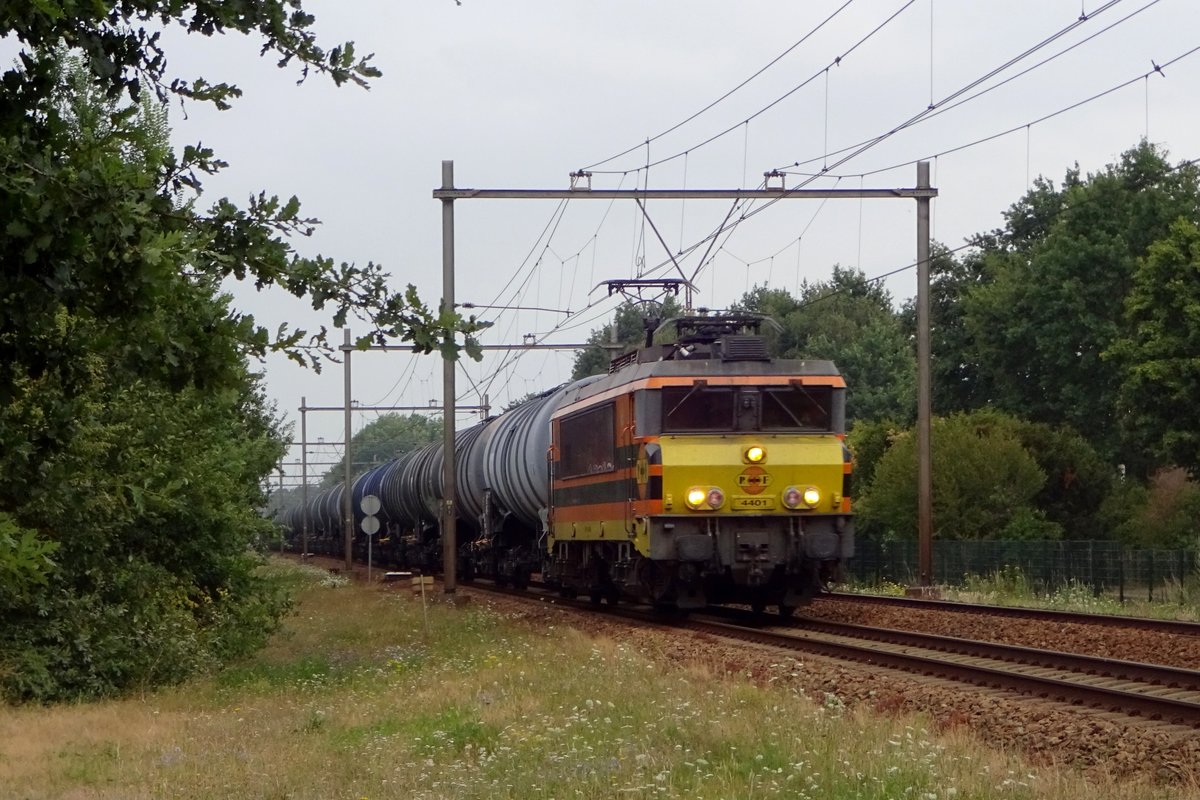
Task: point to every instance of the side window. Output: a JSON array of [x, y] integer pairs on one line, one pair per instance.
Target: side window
[[588, 443]]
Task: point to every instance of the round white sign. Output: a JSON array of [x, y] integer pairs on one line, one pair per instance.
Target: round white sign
[[370, 504], [370, 525]]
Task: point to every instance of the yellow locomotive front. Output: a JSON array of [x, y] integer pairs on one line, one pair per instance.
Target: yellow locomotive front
[[702, 473]]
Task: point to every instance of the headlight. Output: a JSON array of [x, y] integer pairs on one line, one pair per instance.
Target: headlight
[[755, 454], [792, 497], [716, 498], [795, 497], [704, 498]]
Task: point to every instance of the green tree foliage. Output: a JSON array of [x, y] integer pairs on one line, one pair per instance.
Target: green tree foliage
[[1077, 480], [631, 334], [150, 506], [1159, 353], [957, 382], [133, 437], [1164, 513], [1052, 301], [386, 438], [987, 485], [868, 441], [850, 321]]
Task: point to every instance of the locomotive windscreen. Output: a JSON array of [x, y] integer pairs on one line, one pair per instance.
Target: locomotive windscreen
[[701, 407], [796, 407], [698, 407]]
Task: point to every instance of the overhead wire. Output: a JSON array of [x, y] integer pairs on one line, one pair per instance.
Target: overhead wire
[[941, 108], [728, 94], [728, 231], [750, 213], [572, 321], [1043, 118], [834, 63], [512, 356], [972, 243], [875, 141]]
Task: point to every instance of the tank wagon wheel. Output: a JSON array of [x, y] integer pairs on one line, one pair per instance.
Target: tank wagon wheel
[[758, 607], [786, 611]]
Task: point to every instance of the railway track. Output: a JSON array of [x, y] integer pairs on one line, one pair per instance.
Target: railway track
[[1147, 692], [1142, 623]]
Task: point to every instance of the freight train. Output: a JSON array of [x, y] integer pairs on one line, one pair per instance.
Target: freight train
[[696, 472]]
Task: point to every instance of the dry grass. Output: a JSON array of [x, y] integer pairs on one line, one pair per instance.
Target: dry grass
[[352, 701]]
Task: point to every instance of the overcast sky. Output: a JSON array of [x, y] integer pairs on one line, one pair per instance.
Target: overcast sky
[[518, 94]]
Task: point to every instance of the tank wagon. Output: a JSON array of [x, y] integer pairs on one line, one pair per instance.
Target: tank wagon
[[701, 471]]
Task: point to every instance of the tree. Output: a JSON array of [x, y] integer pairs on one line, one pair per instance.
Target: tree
[[1163, 514], [869, 440], [986, 489], [94, 233], [958, 382], [133, 436], [1158, 357], [1055, 301], [386, 438], [850, 321]]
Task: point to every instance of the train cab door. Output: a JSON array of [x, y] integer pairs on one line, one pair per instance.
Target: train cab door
[[627, 458]]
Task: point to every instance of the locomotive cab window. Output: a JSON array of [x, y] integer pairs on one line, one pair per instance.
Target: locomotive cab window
[[587, 443], [797, 407], [698, 407]]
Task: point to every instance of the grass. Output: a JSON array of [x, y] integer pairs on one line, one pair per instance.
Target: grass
[[352, 700], [1009, 586]]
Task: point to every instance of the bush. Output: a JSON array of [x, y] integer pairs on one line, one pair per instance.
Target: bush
[[986, 481], [1163, 515]]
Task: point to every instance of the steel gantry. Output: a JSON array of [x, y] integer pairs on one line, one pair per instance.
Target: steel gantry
[[581, 189]]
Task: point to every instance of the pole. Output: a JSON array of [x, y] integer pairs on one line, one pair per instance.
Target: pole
[[347, 513], [282, 533], [924, 391], [304, 477], [449, 462]]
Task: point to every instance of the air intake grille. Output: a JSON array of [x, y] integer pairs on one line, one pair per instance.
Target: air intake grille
[[738, 347]]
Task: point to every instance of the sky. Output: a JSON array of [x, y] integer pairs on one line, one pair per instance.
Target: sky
[[519, 94]]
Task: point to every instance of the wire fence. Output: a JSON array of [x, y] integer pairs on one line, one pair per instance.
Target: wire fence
[[1106, 566]]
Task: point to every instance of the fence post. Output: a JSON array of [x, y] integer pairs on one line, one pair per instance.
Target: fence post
[[1182, 567], [878, 563], [1121, 574], [1092, 568], [1150, 579]]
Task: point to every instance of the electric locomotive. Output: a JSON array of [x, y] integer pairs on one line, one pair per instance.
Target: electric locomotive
[[701, 471]]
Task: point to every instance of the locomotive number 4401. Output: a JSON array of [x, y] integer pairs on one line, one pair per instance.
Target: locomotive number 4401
[[744, 503]]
